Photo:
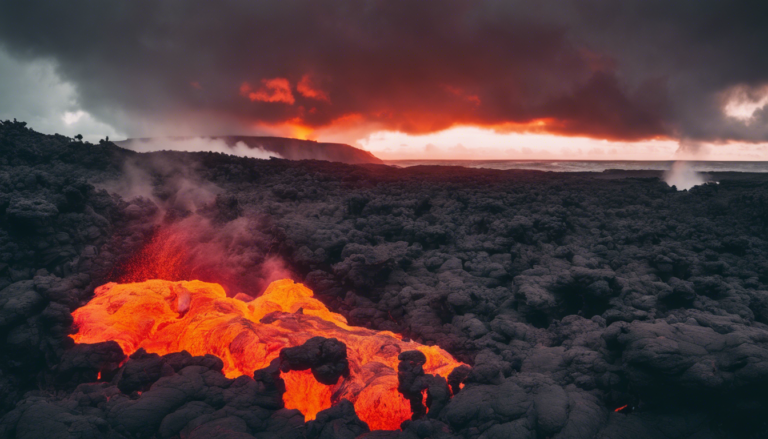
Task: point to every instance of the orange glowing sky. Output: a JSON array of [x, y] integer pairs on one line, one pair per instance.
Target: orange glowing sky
[[552, 79], [428, 137], [469, 142]]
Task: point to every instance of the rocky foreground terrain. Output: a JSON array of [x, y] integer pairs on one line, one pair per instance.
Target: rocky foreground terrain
[[588, 305]]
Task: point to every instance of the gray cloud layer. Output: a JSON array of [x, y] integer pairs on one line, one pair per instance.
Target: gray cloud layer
[[621, 70], [31, 91]]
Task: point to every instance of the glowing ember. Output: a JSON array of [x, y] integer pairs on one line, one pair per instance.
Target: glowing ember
[[620, 408], [163, 257], [164, 317]]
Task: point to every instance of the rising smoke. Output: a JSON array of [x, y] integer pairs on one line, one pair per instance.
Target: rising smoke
[[683, 176], [198, 144], [198, 233]]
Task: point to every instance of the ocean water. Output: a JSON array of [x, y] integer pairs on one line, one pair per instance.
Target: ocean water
[[589, 166]]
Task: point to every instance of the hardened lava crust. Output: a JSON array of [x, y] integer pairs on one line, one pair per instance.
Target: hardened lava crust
[[586, 305]]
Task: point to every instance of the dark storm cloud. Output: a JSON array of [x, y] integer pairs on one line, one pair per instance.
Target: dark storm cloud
[[621, 70]]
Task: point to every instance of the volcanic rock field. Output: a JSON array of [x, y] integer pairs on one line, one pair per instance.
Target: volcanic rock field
[[596, 305]]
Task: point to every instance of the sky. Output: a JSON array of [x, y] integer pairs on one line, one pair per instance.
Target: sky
[[554, 79]]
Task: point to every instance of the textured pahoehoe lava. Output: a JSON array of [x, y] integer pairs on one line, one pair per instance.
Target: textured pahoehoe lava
[[164, 317]]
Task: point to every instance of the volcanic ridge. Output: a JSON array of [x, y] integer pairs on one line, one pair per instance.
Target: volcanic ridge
[[287, 148]]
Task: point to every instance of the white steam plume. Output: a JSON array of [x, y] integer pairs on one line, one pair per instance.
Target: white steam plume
[[181, 187], [198, 144], [683, 176], [183, 211]]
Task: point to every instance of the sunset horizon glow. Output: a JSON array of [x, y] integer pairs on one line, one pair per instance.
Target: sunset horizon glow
[[477, 143]]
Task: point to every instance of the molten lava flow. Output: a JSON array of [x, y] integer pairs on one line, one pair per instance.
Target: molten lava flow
[[164, 317]]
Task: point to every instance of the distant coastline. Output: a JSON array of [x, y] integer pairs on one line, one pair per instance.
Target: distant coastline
[[588, 165]]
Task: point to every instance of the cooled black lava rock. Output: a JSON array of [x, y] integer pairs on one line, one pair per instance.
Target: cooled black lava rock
[[140, 371], [326, 357], [84, 362], [412, 380], [457, 377], [569, 295], [337, 422]]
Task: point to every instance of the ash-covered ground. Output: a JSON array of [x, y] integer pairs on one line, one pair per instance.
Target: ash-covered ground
[[570, 295]]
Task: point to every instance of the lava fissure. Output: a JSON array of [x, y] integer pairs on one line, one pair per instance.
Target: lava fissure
[[323, 360]]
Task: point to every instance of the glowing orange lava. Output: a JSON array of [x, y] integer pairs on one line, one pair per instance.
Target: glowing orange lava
[[164, 317]]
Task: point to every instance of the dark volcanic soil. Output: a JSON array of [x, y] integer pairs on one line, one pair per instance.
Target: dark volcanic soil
[[571, 295]]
